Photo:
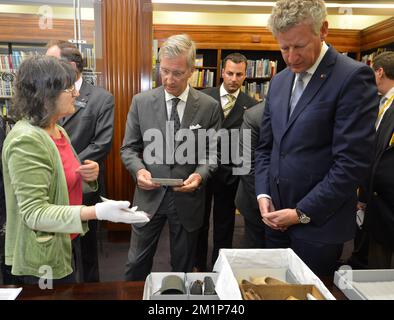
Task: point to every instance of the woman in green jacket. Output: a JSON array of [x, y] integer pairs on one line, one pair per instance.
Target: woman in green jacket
[[43, 177]]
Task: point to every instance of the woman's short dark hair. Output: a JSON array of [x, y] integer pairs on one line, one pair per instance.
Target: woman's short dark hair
[[39, 82]]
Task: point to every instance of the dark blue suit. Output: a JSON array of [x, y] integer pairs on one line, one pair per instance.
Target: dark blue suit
[[316, 159]]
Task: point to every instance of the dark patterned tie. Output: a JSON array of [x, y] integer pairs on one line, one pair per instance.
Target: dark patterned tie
[[174, 114]]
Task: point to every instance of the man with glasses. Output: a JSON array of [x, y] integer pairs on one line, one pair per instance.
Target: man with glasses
[[160, 114], [91, 130]]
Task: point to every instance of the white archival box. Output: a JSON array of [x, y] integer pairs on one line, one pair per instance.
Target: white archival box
[[236, 264]]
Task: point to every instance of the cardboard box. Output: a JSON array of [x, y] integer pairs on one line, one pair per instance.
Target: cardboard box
[[281, 292], [154, 281], [234, 265], [366, 284]]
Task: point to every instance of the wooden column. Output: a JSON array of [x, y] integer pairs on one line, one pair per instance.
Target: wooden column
[[127, 63]]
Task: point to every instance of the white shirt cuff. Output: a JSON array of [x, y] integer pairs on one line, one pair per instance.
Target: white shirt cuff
[[263, 195]]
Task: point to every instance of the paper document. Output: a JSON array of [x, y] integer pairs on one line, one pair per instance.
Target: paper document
[[138, 216], [9, 293]]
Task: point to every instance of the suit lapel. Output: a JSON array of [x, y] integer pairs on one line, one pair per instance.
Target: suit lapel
[[284, 100], [385, 130], [319, 77], [160, 109], [190, 109], [216, 96], [80, 103], [236, 112]]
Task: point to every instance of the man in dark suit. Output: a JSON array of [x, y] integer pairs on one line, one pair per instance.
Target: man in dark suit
[[223, 185], [90, 129], [245, 198], [316, 139], [179, 109], [378, 198]]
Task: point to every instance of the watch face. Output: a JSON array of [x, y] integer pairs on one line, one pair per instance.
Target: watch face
[[304, 219]]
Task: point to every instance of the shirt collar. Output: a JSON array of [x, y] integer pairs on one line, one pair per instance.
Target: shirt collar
[[183, 96], [78, 84], [323, 51], [389, 93], [223, 92]]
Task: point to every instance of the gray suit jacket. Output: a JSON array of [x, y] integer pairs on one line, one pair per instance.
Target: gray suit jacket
[[90, 129], [245, 199], [148, 116]]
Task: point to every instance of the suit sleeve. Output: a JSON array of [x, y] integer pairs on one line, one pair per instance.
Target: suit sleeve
[[247, 143], [100, 144], [206, 170], [353, 140], [132, 146], [263, 152]]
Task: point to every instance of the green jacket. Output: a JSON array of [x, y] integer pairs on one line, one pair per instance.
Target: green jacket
[[39, 218]]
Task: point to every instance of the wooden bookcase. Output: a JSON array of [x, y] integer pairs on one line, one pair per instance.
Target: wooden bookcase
[[256, 43], [377, 38]]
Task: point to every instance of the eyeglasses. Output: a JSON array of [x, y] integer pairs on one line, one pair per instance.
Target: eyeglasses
[[70, 90], [176, 74]]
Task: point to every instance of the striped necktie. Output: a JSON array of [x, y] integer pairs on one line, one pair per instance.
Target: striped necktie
[[229, 105], [384, 104]]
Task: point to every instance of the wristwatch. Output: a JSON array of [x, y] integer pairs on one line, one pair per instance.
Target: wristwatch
[[302, 217]]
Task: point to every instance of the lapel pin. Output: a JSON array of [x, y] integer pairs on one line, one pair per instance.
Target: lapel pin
[[244, 107], [323, 75]]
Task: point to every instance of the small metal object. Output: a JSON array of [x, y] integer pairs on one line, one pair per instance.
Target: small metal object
[[172, 284], [196, 287], [209, 286]]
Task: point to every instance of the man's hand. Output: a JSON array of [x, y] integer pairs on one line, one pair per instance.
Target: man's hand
[[144, 180], [282, 219], [89, 170], [190, 184], [266, 206]]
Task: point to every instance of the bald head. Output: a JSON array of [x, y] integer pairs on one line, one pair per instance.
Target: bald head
[[54, 51]]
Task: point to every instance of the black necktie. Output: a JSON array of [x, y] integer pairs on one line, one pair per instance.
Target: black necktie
[[174, 114]]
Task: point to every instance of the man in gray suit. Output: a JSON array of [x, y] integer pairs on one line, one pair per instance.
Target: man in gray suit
[[90, 129], [245, 198], [174, 107]]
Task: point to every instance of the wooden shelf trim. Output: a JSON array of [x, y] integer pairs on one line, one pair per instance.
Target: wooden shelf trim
[[378, 35]]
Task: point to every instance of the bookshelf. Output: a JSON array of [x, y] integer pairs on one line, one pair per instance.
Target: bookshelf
[[261, 66], [11, 56], [256, 43], [376, 39]]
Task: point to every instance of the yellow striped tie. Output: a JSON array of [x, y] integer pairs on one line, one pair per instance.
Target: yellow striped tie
[[229, 105]]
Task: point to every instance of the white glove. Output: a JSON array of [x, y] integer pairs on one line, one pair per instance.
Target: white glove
[[115, 211]]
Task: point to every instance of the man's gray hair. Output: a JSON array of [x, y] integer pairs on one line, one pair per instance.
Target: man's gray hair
[[178, 45], [289, 13]]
